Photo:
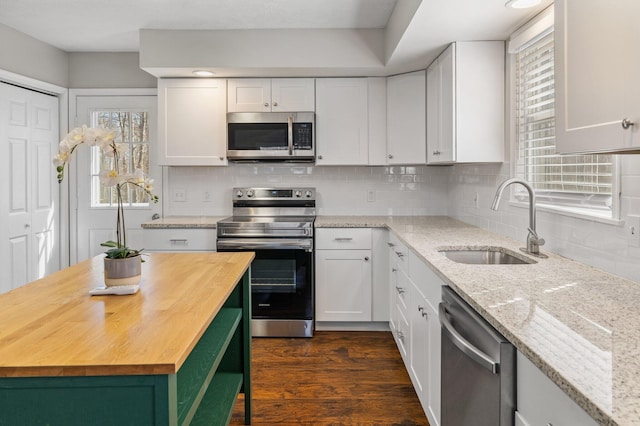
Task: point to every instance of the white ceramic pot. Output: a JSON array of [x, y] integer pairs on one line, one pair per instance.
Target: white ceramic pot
[[127, 271]]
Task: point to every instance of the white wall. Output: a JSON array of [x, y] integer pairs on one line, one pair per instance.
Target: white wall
[[341, 190], [602, 245]]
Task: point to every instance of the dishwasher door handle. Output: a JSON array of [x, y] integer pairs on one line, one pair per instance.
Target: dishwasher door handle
[[464, 345]]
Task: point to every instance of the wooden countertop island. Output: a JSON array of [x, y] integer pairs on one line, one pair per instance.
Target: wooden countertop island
[[177, 352]]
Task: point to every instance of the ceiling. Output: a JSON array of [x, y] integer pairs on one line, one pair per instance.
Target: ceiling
[[113, 25]]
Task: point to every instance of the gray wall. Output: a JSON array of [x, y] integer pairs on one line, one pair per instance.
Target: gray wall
[[108, 70], [24, 55]]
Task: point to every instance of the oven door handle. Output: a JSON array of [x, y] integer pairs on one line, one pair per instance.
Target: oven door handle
[[305, 244]]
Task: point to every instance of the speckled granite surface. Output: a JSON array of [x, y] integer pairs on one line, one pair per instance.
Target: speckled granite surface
[[184, 222], [580, 325]]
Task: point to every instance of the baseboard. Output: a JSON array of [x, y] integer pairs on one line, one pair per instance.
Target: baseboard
[[352, 326]]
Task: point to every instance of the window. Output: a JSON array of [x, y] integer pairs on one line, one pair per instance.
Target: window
[[577, 182], [132, 140]]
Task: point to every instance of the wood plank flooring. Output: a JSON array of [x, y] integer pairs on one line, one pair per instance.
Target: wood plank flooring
[[334, 378]]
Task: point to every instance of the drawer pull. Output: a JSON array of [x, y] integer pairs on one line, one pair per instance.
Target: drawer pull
[[400, 335], [182, 241], [399, 289], [343, 239], [391, 244], [400, 254], [394, 270]]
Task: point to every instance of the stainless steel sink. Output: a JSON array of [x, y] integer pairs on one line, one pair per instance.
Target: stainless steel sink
[[486, 256]]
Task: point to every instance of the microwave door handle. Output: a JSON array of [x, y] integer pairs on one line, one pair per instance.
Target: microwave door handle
[[290, 133]]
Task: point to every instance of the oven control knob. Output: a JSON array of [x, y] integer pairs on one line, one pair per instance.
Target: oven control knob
[[250, 193], [239, 194], [298, 194], [308, 194]]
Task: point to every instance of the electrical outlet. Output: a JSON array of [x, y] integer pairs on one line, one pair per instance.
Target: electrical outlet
[[632, 226], [371, 196], [179, 195], [206, 196]]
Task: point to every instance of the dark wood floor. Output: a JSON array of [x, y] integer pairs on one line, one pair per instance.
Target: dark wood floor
[[334, 378]]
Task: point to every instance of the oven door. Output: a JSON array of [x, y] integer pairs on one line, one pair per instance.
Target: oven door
[[281, 276]]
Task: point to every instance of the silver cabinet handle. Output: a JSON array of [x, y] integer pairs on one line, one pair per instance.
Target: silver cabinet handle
[[464, 345], [400, 254], [394, 270], [422, 312], [626, 123], [343, 238], [400, 335], [179, 241], [391, 244], [436, 152], [399, 289]]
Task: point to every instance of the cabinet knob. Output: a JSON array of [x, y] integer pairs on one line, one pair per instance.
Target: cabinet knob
[[626, 123], [394, 270], [319, 157], [436, 152], [366, 259], [390, 157], [275, 104], [266, 104], [400, 335]]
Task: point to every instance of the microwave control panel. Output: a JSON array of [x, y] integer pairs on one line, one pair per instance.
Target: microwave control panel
[[302, 135]]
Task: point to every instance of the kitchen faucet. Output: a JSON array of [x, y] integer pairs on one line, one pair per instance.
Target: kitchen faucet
[[533, 240]]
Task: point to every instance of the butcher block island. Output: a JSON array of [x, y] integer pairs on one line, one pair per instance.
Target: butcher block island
[[176, 352]]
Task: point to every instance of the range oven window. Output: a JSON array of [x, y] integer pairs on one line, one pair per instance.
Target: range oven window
[[274, 275]]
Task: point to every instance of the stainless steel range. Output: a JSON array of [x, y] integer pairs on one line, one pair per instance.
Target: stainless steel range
[[276, 224]]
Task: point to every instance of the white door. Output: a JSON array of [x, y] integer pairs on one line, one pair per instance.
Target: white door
[[29, 237], [135, 118]]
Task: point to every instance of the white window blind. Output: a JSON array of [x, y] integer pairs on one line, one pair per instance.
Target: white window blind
[[582, 181]]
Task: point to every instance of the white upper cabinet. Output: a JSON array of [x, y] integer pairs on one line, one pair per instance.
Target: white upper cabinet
[[192, 122], [596, 71], [342, 136], [406, 119], [271, 95], [465, 104]]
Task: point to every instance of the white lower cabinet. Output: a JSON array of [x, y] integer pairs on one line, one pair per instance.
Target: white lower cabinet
[[415, 292], [541, 402], [179, 239], [343, 274]]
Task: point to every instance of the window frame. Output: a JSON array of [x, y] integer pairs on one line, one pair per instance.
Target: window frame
[[534, 29]]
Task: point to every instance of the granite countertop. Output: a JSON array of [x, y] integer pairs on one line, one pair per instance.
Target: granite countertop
[[184, 222], [578, 324]]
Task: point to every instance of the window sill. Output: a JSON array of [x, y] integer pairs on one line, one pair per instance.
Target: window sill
[[575, 212]]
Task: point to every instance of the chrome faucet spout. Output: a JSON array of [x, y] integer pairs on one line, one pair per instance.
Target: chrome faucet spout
[[533, 240]]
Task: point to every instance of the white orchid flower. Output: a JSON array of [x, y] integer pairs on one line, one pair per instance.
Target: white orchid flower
[[110, 178], [61, 158]]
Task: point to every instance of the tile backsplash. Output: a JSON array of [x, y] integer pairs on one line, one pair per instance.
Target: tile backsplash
[[462, 191], [375, 190]]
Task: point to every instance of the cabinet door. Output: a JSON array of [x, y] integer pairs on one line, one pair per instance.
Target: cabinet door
[[433, 366], [596, 71], [292, 94], [343, 285], [249, 95], [192, 122], [406, 119], [441, 98], [419, 342], [341, 121]]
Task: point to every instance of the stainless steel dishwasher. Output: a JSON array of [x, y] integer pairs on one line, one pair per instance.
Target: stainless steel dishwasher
[[478, 368]]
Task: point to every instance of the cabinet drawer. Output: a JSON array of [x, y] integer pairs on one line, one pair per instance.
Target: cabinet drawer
[[426, 280], [343, 239], [399, 253], [180, 239]]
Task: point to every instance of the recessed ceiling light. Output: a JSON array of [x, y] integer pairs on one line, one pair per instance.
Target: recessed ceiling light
[[522, 4], [203, 73]]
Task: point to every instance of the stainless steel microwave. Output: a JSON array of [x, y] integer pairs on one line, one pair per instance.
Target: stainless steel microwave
[[282, 136]]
